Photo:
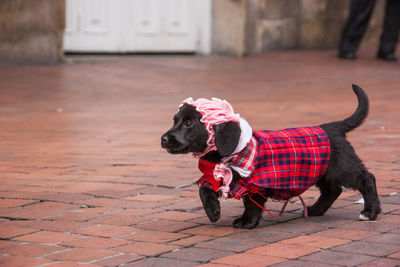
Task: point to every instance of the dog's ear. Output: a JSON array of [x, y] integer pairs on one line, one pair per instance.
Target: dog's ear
[[227, 136]]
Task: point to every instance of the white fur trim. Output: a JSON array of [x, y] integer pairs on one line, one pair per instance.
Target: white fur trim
[[242, 172], [245, 136]]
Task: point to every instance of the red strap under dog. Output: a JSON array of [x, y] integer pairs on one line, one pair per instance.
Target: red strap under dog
[[263, 208], [283, 207]]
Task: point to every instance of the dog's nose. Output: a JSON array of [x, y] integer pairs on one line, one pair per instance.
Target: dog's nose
[[164, 140]]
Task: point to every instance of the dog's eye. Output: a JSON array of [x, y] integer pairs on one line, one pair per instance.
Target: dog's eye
[[188, 124]]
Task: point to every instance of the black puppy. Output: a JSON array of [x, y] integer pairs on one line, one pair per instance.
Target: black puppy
[[189, 134]]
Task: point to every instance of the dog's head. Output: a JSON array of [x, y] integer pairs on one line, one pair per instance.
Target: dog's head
[[202, 126]]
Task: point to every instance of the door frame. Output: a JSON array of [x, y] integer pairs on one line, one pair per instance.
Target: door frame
[[203, 30], [205, 11]]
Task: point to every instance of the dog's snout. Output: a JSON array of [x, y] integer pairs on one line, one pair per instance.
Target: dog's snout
[[164, 140]]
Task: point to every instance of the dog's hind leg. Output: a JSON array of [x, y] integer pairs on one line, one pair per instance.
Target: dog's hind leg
[[329, 193], [367, 186], [252, 213]]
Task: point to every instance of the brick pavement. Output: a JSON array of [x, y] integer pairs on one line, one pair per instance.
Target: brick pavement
[[84, 181]]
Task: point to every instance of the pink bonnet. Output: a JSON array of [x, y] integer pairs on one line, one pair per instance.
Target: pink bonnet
[[214, 111]]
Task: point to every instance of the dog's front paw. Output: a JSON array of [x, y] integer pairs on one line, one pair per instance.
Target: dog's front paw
[[210, 201], [246, 222], [213, 210]]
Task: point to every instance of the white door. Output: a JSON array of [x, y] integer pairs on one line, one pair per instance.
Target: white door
[[137, 26]]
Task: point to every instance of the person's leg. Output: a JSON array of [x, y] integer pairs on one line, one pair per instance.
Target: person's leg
[[360, 12], [390, 33]]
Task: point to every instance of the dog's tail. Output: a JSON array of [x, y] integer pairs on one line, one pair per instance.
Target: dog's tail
[[360, 114]]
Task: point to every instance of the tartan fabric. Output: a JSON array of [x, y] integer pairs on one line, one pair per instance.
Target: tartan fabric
[[290, 158], [243, 162], [288, 161]]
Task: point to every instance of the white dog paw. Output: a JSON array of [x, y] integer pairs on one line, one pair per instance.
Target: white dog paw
[[363, 217]]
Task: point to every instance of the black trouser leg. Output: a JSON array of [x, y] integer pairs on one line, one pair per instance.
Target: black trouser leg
[[391, 27], [360, 12]]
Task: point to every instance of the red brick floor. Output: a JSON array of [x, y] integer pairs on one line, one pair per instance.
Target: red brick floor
[[84, 180]]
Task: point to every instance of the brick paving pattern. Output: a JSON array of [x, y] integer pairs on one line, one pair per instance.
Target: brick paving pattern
[[84, 181]]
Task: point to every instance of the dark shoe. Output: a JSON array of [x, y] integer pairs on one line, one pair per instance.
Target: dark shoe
[[387, 57], [347, 55]]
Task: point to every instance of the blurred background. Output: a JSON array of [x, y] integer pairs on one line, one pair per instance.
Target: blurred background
[[44, 31]]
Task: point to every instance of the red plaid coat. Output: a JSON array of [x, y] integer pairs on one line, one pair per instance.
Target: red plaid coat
[[288, 161]]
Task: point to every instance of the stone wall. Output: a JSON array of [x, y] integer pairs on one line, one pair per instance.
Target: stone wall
[[277, 24], [322, 23], [243, 27], [31, 31], [228, 26]]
